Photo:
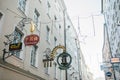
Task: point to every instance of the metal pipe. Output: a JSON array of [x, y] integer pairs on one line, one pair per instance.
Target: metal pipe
[[65, 36], [78, 56]]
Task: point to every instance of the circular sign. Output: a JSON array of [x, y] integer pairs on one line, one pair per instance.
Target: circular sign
[[31, 39], [109, 74], [64, 60]]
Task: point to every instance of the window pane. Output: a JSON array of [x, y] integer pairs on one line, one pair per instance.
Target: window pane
[[33, 56], [22, 4], [17, 38], [36, 17]]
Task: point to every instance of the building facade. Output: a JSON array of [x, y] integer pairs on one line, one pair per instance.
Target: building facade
[[29, 32], [111, 11], [106, 56], [16, 18]]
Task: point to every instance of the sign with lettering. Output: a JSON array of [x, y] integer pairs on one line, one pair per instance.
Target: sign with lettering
[[115, 60], [31, 39], [15, 46]]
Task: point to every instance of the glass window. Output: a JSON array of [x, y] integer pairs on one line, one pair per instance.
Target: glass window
[[117, 1], [55, 70], [17, 38], [22, 4], [36, 17], [48, 4], [33, 56], [1, 15], [48, 9], [119, 6], [55, 41], [48, 33]]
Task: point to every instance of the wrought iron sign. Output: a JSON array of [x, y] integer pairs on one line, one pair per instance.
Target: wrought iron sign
[[50, 55], [47, 62], [64, 60]]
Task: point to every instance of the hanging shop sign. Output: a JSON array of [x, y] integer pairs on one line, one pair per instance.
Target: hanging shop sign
[[64, 60], [31, 39], [15, 46]]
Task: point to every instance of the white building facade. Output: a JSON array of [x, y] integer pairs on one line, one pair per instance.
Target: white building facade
[[16, 19], [111, 11]]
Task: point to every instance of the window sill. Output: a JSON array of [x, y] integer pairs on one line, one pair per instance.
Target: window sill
[[33, 66]]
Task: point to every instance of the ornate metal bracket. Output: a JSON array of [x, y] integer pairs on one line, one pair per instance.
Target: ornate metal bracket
[[50, 55]]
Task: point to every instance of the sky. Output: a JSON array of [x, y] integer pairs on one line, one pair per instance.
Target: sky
[[86, 15]]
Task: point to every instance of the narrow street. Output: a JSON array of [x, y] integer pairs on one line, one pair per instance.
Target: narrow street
[[59, 40]]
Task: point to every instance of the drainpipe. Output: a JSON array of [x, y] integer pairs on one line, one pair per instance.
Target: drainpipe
[[65, 36]]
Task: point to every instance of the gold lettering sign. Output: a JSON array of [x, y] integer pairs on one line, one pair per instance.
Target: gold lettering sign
[[15, 46]]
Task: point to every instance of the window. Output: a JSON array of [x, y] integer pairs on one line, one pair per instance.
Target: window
[[17, 38], [47, 70], [55, 18], [36, 17], [55, 70], [48, 4], [48, 9], [33, 55], [22, 4], [40, 1], [55, 41], [56, 23], [117, 1], [1, 15], [119, 6], [48, 34], [114, 6]]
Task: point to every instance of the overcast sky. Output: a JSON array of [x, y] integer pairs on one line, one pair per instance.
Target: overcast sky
[[91, 25]]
